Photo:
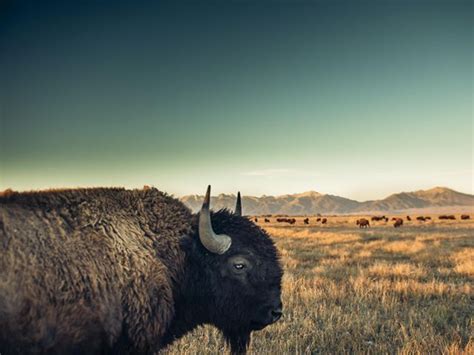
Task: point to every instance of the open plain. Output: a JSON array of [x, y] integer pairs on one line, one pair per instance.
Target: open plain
[[407, 290]]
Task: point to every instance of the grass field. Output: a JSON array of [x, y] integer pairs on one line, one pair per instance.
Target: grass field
[[405, 290]]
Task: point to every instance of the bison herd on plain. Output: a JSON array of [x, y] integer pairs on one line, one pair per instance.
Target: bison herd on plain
[[365, 223]]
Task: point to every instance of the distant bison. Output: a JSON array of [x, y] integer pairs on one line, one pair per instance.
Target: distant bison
[[267, 220], [443, 216], [408, 218], [324, 220], [286, 220], [114, 271], [398, 223], [465, 216], [378, 218], [256, 219], [421, 218], [318, 219], [363, 223], [306, 221]]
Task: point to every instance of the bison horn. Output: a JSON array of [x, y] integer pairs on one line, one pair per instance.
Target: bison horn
[[215, 243], [238, 205]]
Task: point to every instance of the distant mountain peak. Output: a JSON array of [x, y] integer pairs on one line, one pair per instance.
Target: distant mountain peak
[[437, 189], [225, 195], [308, 194], [440, 188]]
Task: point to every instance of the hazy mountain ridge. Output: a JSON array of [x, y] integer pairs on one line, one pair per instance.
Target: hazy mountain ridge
[[311, 202]]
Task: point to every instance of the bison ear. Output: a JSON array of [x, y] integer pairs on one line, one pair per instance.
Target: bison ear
[[238, 205]]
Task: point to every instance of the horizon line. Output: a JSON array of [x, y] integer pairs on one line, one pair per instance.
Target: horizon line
[[230, 194]]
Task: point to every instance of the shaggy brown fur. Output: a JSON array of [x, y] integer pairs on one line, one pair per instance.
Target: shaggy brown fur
[[127, 261], [363, 223]]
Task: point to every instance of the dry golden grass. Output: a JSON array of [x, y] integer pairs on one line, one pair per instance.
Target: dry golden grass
[[381, 290]]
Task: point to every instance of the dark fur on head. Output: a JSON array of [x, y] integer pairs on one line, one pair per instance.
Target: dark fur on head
[[230, 303]]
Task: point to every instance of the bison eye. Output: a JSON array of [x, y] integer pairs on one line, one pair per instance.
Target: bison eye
[[239, 266]]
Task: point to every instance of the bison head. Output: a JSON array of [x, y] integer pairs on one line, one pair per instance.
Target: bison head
[[237, 267]]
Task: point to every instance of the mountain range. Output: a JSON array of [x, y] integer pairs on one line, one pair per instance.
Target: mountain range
[[312, 203]]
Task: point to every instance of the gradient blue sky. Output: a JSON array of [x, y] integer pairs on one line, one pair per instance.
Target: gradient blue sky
[[359, 99]]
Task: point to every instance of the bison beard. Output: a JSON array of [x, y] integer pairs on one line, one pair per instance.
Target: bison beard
[[118, 271]]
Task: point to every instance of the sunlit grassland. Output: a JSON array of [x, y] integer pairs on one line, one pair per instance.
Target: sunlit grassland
[[382, 290]]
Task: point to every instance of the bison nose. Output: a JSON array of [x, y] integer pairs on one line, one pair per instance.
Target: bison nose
[[276, 314]]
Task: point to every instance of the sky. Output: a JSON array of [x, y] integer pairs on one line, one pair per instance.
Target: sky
[[357, 99]]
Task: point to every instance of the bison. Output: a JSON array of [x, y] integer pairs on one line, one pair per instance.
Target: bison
[[306, 221], [408, 218], [286, 220], [465, 216], [129, 271], [267, 220], [447, 217], [363, 223], [421, 218], [398, 223], [324, 221]]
